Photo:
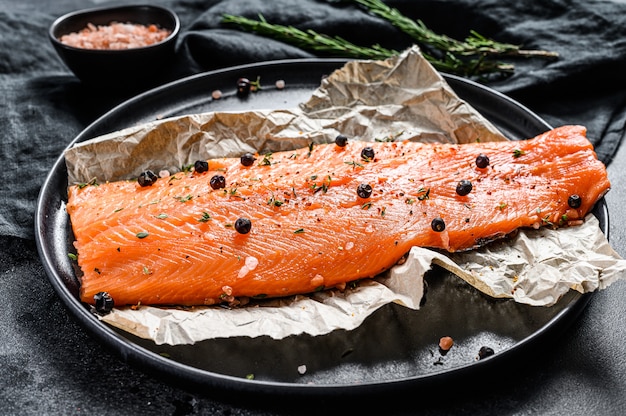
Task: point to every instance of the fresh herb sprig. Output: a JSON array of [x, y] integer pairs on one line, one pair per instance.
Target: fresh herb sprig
[[309, 39], [474, 56], [474, 44]]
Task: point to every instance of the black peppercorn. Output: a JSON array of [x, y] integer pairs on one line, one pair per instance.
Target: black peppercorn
[[364, 190], [464, 187], [103, 302], [218, 182], [243, 225], [485, 352], [367, 153], [482, 161], [247, 159], [438, 224], [341, 140], [574, 201], [201, 166], [243, 87], [147, 178]]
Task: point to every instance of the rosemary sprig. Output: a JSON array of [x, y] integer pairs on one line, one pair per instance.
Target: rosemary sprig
[[474, 44], [471, 57], [309, 39], [338, 46]]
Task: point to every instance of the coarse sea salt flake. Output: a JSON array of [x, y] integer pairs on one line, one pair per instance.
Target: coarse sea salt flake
[[252, 262], [243, 271]]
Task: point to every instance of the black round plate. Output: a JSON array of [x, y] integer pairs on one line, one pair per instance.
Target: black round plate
[[395, 349]]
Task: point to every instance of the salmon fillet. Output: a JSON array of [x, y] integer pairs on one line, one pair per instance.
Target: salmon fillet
[[175, 242]]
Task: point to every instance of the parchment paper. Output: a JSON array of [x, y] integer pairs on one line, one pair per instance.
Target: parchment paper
[[366, 100], [402, 97]]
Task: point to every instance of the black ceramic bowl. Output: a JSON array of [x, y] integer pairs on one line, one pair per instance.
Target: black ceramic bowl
[[122, 67]]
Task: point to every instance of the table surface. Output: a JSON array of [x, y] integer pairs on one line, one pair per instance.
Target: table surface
[[50, 365]]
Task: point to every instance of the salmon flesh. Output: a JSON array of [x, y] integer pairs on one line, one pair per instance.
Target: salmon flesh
[[322, 216]]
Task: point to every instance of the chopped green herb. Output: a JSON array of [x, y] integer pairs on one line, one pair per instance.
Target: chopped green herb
[[366, 205], [354, 164], [502, 205], [72, 256], [517, 153], [250, 376], [93, 182], [274, 202], [424, 194], [409, 201], [267, 160], [299, 231], [146, 270], [205, 217], [118, 209], [161, 216], [186, 168], [310, 150], [185, 198], [142, 234], [390, 137]]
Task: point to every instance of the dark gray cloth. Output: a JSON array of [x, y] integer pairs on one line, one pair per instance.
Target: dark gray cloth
[[43, 107]]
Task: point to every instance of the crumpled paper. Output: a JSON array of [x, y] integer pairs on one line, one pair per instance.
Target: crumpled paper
[[402, 97]]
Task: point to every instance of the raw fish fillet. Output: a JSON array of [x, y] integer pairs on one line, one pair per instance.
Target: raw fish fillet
[[175, 242]]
